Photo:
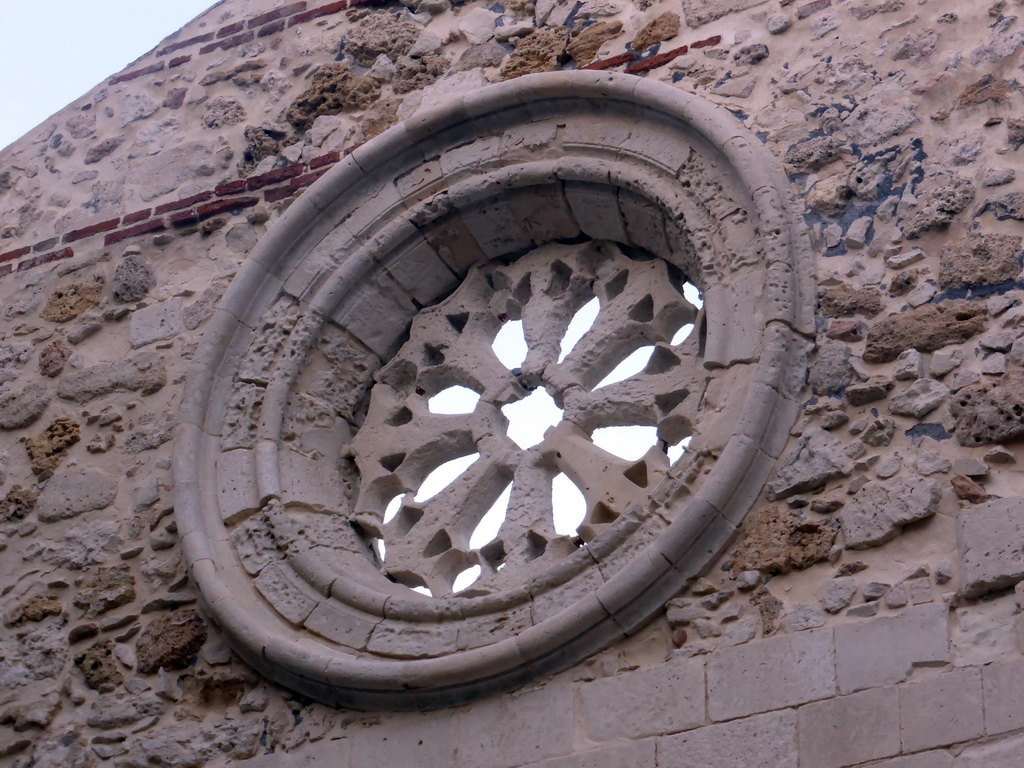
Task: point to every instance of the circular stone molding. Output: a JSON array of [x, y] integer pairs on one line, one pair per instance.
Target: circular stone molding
[[305, 427]]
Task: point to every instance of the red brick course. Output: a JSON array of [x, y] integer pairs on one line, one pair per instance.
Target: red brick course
[[153, 225], [185, 202], [92, 229], [46, 258], [137, 73], [277, 13], [185, 44], [315, 13]]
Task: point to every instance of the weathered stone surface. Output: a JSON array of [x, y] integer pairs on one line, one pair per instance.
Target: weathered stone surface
[[191, 747], [13, 358], [586, 42], [72, 299], [21, 407], [813, 154], [47, 449], [980, 259], [105, 590], [749, 55], [850, 729], [661, 699], [990, 540], [926, 329], [106, 147], [108, 712], [884, 651], [874, 389], [164, 172], [778, 540], [838, 594], [1002, 684], [844, 301], [52, 358], [878, 512], [157, 322], [769, 739], [76, 490], [940, 198], [31, 715], [919, 399], [831, 372], [413, 73], [133, 280], [144, 374], [817, 458], [942, 710], [779, 672], [334, 89], [663, 27], [170, 641], [967, 489], [379, 33], [99, 668], [543, 51], [991, 411], [987, 89]]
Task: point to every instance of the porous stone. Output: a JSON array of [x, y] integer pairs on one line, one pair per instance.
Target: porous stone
[[74, 491], [778, 540], [919, 399], [144, 374], [47, 449], [991, 411], [585, 44], [844, 301], [663, 27], [926, 329], [334, 89], [980, 259], [543, 51], [816, 459], [72, 299], [878, 512], [99, 667], [133, 280], [34, 610], [379, 33], [170, 641], [940, 198], [222, 112], [18, 504]]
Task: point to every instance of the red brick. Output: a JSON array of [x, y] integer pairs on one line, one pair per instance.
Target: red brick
[[232, 205], [177, 61], [274, 176], [46, 258], [279, 193], [315, 13], [137, 73], [228, 44], [230, 29], [710, 42], [329, 159], [185, 44], [230, 188], [308, 178], [185, 202], [92, 229], [655, 61], [46, 245], [818, 5], [15, 254], [153, 225], [357, 3], [135, 218], [614, 61], [278, 13], [271, 29]]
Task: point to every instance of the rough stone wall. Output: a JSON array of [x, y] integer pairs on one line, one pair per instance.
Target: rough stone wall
[[868, 609]]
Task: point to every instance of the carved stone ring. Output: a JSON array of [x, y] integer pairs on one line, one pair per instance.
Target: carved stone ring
[[308, 431]]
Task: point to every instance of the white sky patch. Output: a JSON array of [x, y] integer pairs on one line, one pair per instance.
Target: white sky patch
[[510, 344], [631, 366], [531, 417], [581, 322], [454, 400], [56, 52], [443, 476]]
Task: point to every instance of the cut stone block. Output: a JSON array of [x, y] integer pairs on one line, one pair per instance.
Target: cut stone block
[[990, 538], [850, 729], [944, 710]]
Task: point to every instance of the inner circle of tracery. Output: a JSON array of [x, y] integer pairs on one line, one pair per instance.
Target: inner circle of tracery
[[526, 413], [315, 415]]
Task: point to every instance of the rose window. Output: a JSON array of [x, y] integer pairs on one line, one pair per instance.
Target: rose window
[[532, 407]]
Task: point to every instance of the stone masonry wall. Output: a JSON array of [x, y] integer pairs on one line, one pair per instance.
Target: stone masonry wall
[[869, 612]]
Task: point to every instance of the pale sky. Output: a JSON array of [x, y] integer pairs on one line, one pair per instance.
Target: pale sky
[[57, 50]]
